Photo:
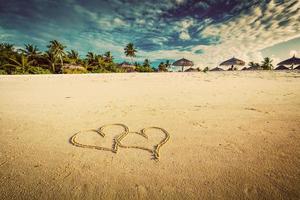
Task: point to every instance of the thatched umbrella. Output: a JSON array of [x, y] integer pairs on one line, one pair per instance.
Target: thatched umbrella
[[292, 61], [233, 62], [183, 63], [282, 67]]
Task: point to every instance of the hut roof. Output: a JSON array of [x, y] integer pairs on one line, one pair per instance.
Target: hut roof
[[233, 61], [183, 62], [291, 61], [217, 69], [281, 67], [125, 64]]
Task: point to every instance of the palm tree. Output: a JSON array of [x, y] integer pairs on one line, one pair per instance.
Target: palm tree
[[254, 66], [22, 65], [168, 65], [86, 65], [74, 56], [130, 51], [52, 60], [267, 64], [57, 49], [162, 67], [146, 63], [7, 51], [7, 47], [31, 51], [108, 57], [91, 57]]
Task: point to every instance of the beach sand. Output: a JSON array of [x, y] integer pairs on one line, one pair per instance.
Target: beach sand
[[233, 135]]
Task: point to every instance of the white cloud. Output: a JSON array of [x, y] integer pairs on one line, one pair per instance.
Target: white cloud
[[184, 35], [119, 22], [246, 35], [183, 27], [178, 2]]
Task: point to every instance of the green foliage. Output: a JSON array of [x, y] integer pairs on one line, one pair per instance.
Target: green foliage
[[130, 51], [21, 65], [205, 69], [2, 72], [74, 71], [145, 67], [7, 51], [267, 64], [73, 57], [57, 49], [30, 60], [162, 67], [38, 70], [254, 65]]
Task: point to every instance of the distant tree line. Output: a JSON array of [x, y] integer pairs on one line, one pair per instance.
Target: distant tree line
[[56, 60]]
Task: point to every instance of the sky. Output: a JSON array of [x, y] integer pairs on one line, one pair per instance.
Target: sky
[[204, 31]]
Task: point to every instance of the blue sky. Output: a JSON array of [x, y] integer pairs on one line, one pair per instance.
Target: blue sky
[[207, 31]]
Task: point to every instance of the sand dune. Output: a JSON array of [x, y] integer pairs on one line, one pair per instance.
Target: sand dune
[[233, 135]]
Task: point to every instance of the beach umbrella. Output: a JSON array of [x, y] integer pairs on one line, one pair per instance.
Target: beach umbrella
[[281, 67], [183, 63], [233, 62], [298, 67], [292, 61]]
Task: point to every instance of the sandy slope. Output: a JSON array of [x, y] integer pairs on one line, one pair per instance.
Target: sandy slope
[[234, 135]]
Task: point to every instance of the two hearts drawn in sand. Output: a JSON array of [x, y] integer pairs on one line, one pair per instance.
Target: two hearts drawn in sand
[[117, 140]]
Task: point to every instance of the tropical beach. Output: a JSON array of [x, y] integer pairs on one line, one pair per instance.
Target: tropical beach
[[162, 99], [233, 135]]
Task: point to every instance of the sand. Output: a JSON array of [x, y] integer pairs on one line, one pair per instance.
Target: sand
[[233, 135]]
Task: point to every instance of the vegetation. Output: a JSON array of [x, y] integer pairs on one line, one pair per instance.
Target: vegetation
[[206, 69], [267, 64], [130, 51], [254, 65], [146, 67], [30, 60], [163, 67]]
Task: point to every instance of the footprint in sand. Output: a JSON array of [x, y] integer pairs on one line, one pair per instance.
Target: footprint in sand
[[199, 124]]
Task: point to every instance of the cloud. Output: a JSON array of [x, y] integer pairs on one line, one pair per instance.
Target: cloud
[[207, 31], [247, 34], [184, 35]]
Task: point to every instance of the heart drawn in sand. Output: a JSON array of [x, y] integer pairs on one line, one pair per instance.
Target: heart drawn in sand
[[117, 140], [156, 147], [114, 148]]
